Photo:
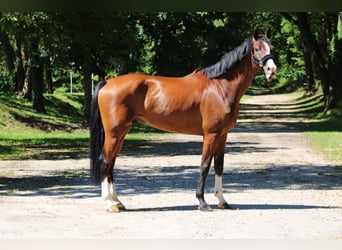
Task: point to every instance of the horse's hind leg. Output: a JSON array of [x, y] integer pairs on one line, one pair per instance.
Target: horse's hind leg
[[112, 146]]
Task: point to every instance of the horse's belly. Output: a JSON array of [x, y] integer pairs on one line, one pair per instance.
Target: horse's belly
[[177, 124]]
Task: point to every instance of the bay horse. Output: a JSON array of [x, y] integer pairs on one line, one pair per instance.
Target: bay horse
[[204, 102]]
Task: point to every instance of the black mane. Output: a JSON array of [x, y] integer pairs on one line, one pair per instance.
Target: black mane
[[229, 60]]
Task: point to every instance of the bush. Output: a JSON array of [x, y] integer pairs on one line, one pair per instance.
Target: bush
[[6, 82]]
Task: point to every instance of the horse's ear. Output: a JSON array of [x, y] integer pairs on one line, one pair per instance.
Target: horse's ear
[[256, 34], [269, 33]]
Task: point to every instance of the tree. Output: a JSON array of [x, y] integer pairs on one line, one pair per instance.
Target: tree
[[24, 36], [94, 42], [336, 61], [11, 29], [165, 43], [183, 41], [322, 51]]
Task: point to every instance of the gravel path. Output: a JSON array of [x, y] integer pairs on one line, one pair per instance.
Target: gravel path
[[279, 186]]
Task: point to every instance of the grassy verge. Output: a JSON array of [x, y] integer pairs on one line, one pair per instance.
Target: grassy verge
[[326, 136], [26, 134], [58, 134], [329, 144], [323, 129]]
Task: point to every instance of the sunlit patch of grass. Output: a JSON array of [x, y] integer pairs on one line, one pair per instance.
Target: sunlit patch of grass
[[324, 129], [328, 143], [57, 134], [6, 174]]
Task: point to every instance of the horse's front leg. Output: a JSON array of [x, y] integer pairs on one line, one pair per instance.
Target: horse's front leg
[[209, 146], [218, 165], [204, 169]]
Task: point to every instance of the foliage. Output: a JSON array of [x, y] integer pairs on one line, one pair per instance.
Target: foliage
[[6, 80], [291, 63], [167, 43], [39, 49], [57, 134], [322, 52]]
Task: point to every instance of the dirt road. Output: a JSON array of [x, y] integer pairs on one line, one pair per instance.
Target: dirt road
[[279, 186]]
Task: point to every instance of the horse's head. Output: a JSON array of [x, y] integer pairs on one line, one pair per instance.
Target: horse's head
[[261, 54]]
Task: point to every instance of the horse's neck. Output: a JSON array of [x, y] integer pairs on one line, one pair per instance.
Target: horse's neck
[[239, 79]]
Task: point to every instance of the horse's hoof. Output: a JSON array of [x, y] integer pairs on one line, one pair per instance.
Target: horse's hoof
[[205, 208], [225, 206], [116, 208], [121, 207], [113, 209]]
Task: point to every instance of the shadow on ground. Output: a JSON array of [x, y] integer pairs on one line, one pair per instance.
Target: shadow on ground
[[234, 207], [151, 180]]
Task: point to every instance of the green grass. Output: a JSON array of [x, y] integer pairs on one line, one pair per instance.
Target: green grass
[[22, 145], [328, 143], [58, 134], [324, 130]]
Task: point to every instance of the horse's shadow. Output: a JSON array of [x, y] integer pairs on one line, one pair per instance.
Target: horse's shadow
[[170, 148], [235, 207]]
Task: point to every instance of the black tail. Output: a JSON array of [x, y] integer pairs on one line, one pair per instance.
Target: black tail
[[96, 137]]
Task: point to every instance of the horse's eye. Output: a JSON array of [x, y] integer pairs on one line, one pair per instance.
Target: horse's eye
[[257, 49]]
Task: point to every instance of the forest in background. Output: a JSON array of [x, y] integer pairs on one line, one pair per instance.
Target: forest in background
[[38, 50]]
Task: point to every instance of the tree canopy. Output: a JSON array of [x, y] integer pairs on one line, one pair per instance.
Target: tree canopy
[[39, 49]]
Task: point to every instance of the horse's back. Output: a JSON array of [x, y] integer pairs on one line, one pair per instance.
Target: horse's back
[[171, 89], [167, 103], [133, 78]]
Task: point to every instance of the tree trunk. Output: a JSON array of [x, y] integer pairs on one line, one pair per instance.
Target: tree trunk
[[20, 75], [9, 52], [26, 90], [87, 92], [317, 59], [309, 71], [48, 79], [336, 62], [37, 89], [36, 78], [339, 56], [301, 21]]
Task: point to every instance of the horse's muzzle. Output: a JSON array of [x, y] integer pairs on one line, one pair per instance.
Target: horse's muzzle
[[270, 69]]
